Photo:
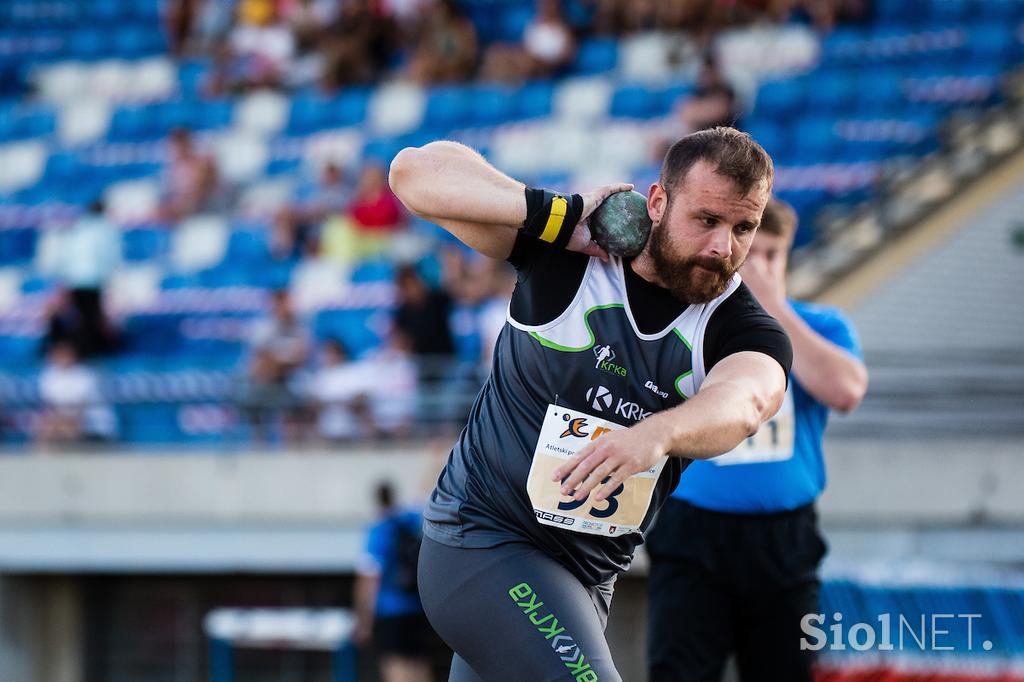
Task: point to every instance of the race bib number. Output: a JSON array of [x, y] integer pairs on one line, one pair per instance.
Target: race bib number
[[773, 442], [564, 433]]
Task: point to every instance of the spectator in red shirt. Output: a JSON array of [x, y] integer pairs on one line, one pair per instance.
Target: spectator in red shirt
[[374, 207]]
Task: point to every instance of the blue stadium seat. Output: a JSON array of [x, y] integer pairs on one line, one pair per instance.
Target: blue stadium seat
[[134, 123], [447, 108], [596, 55], [512, 22], [950, 12], [896, 12], [349, 108], [816, 141], [143, 244], [210, 114], [88, 43], [491, 104], [879, 92], [535, 99], [771, 136], [635, 101], [373, 270], [191, 75], [309, 112], [1006, 11], [351, 327], [830, 91], [36, 283], [779, 99], [993, 44], [17, 246], [247, 247]]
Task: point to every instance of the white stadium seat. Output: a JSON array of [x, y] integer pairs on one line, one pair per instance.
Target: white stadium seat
[[21, 164], [83, 120], [582, 99], [241, 156], [263, 112], [199, 243], [396, 108], [133, 201]]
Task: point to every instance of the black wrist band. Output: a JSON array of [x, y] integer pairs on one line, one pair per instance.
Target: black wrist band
[[551, 217]]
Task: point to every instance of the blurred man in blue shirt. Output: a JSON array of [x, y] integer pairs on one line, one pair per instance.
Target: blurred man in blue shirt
[[735, 552], [388, 611]]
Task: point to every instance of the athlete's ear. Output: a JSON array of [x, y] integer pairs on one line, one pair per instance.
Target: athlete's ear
[[657, 199]]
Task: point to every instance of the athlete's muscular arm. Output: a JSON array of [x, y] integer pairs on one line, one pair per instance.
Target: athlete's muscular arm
[[740, 393], [453, 186]]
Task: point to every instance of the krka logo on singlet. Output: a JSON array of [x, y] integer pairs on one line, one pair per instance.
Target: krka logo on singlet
[[605, 355]]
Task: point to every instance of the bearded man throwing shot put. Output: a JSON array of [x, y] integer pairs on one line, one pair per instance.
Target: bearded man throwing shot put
[[609, 377]]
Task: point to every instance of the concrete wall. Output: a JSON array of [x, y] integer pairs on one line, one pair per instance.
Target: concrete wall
[[894, 482]]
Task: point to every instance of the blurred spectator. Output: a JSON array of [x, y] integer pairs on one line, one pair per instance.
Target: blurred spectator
[[191, 184], [422, 314], [87, 255], [330, 194], [372, 219], [308, 20], [340, 388], [179, 19], [712, 103], [388, 611], [548, 46], [73, 407], [280, 346], [213, 22], [356, 47], [375, 208], [446, 50], [295, 229], [393, 397], [493, 312], [261, 47], [548, 40]]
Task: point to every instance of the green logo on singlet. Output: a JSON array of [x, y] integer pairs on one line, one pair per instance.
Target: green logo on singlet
[[605, 355], [561, 643]]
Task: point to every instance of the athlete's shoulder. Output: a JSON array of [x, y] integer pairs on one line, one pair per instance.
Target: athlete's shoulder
[[740, 323], [547, 279]]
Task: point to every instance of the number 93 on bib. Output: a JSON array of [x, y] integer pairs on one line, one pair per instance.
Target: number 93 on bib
[[564, 433]]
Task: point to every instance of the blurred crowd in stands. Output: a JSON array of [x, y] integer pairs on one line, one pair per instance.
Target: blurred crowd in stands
[[294, 43], [292, 387]]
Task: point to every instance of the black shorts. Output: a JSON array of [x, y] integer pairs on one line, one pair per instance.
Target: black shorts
[[512, 613], [408, 636], [724, 584]]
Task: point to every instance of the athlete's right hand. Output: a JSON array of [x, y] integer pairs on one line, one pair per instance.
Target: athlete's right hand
[[582, 239]]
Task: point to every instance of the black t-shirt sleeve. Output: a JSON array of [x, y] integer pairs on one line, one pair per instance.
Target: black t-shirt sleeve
[[547, 279], [741, 324]]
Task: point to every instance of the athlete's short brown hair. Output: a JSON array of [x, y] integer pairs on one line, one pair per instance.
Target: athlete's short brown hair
[[732, 153]]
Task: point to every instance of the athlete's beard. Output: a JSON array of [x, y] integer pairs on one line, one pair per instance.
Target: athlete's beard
[[697, 279]]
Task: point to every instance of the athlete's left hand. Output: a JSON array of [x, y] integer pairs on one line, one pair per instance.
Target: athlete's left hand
[[614, 456]]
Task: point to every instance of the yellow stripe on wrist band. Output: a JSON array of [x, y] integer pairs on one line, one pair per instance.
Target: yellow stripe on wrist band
[[555, 219]]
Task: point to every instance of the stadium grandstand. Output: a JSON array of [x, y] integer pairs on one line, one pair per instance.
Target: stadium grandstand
[[219, 329]]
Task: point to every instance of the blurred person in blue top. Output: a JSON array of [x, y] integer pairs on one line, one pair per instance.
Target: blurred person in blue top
[[736, 550], [388, 612]]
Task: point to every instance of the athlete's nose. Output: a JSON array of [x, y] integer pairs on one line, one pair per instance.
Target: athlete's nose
[[720, 243]]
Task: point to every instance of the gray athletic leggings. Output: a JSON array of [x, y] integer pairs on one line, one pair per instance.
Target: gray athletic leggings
[[513, 613]]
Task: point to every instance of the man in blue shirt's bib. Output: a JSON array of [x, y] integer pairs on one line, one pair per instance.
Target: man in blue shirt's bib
[[735, 552]]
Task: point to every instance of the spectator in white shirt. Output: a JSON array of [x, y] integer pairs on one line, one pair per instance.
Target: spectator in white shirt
[[74, 410]]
